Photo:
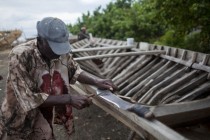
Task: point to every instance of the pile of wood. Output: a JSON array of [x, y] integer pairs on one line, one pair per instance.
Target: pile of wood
[[173, 82], [8, 37]]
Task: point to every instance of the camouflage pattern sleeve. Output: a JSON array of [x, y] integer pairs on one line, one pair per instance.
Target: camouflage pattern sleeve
[[23, 84], [74, 70]]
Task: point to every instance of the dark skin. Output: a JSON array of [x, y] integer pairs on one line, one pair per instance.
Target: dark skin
[[77, 101]]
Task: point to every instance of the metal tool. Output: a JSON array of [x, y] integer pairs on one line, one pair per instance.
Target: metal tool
[[138, 109]]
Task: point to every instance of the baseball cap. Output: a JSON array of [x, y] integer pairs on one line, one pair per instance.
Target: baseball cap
[[56, 33]]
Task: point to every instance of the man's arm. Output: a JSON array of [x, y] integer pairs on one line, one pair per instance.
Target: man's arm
[[77, 101], [100, 83]]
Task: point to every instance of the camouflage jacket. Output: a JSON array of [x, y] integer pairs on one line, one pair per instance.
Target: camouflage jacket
[[29, 83]]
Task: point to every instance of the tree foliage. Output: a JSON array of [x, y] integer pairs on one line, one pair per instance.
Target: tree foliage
[[189, 19], [180, 23]]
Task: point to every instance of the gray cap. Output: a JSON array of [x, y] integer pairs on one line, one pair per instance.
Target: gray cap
[[56, 33]]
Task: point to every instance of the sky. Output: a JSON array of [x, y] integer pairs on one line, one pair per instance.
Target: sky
[[23, 14]]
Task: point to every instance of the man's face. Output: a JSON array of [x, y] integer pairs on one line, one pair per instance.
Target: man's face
[[47, 51]]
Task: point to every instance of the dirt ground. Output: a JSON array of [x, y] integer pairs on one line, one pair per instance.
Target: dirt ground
[[90, 124]]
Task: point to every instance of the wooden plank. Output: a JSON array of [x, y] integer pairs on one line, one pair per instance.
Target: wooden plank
[[177, 60], [141, 126], [182, 113], [120, 55], [108, 45], [102, 48], [201, 67]]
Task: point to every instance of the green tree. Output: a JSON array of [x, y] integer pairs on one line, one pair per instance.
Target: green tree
[[177, 23], [189, 19]]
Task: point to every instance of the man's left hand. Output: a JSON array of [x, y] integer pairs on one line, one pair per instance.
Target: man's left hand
[[106, 84]]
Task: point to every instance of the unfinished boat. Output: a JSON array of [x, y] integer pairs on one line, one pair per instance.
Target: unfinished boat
[[173, 83]]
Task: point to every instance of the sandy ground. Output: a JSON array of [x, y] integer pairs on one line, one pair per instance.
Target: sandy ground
[[90, 124]]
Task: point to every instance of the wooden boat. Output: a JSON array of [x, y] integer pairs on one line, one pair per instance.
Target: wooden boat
[[173, 83]]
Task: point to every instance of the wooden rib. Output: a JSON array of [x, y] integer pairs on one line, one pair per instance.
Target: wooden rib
[[111, 62], [185, 88], [106, 65], [139, 63], [118, 78], [160, 94], [195, 93], [134, 74], [153, 76], [94, 46], [79, 45], [82, 53], [90, 67], [152, 83], [120, 66], [163, 83], [107, 41], [116, 64], [108, 61], [145, 72]]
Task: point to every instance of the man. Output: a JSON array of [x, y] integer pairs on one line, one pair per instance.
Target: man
[[83, 34], [37, 91]]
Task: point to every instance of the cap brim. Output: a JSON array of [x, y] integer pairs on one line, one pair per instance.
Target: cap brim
[[60, 48]]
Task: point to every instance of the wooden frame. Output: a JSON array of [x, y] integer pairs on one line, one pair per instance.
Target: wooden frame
[[164, 82], [143, 127]]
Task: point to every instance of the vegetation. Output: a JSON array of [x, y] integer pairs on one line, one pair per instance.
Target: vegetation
[[177, 23]]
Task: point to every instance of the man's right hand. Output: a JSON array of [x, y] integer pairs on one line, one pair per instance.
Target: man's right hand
[[81, 101]]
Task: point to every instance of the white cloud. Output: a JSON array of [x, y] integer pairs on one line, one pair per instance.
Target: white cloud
[[23, 14]]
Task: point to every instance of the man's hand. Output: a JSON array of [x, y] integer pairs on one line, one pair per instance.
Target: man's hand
[[81, 101], [100, 83], [105, 84]]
